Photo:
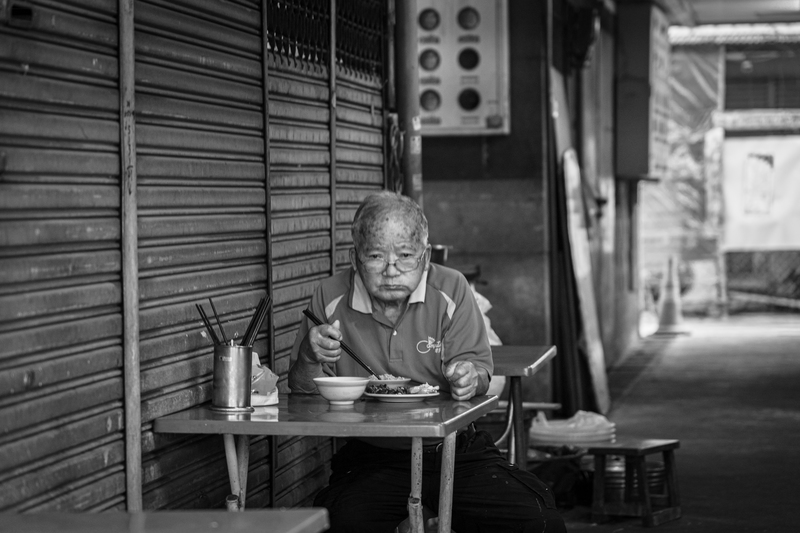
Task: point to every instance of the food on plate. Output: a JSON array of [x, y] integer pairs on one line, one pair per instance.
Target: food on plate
[[423, 389], [388, 377], [417, 389]]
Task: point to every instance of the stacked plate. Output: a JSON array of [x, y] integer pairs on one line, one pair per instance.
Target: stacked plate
[[583, 427]]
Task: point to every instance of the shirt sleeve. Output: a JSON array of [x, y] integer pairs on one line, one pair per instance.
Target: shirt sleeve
[[317, 306], [465, 337]]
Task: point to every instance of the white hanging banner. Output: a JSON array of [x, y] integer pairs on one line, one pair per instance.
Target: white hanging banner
[[761, 189]]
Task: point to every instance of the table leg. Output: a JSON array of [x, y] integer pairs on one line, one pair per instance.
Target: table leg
[[599, 488], [243, 457], [233, 465], [446, 483], [520, 442], [415, 518]]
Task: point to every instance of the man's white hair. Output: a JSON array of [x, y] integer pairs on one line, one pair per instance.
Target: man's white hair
[[378, 205]]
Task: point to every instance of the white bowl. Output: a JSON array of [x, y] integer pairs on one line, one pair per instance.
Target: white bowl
[[341, 390]]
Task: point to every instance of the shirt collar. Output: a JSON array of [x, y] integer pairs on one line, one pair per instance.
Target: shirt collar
[[361, 301]]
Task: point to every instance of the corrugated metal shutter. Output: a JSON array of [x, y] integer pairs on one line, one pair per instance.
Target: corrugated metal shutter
[[361, 29], [301, 242], [206, 209], [359, 153], [202, 224], [61, 444], [308, 209]]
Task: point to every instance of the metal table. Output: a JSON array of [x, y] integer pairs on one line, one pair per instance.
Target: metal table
[[311, 415], [516, 362], [309, 520]]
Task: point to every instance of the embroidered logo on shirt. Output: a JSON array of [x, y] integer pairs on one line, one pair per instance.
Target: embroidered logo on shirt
[[425, 346]]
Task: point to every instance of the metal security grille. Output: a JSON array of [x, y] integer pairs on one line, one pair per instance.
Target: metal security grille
[[360, 31], [300, 30], [762, 76], [764, 278]]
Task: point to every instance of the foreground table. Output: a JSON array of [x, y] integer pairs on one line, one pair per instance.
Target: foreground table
[[310, 415], [517, 362], [313, 520]]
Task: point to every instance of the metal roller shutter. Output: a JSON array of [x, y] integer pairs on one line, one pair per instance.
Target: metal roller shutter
[[213, 222], [311, 213], [62, 442], [202, 205]]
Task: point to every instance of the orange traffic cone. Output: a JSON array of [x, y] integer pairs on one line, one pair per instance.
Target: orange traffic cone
[[670, 315]]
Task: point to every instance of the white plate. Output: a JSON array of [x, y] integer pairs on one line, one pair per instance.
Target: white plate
[[400, 398]]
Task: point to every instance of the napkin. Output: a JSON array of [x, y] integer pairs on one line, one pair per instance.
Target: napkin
[[264, 391]]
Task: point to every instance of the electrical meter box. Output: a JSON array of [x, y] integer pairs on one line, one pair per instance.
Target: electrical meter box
[[463, 67]]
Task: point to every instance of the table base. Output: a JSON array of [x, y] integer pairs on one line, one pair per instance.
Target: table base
[[237, 456]]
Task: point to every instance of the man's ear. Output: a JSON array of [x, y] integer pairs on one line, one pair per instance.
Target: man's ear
[[353, 260], [428, 252]]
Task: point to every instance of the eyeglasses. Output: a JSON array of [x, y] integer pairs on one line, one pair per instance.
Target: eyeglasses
[[377, 263]]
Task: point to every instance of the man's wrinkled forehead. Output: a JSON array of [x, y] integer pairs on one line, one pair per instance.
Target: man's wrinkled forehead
[[392, 227]]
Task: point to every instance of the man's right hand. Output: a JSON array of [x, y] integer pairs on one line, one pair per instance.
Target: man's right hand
[[322, 344]]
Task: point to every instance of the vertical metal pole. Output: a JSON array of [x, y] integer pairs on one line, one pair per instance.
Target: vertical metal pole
[[130, 265], [332, 127], [408, 98], [520, 453], [446, 483], [388, 82], [267, 184], [273, 455], [415, 515]]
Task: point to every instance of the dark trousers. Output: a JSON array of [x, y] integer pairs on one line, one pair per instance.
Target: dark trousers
[[369, 489]]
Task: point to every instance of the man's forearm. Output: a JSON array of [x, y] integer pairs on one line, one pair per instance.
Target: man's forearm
[[301, 377], [483, 381], [302, 373]]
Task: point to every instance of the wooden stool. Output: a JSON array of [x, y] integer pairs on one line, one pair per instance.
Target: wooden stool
[[635, 452]]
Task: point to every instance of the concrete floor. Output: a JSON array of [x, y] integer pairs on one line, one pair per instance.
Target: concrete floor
[[730, 391]]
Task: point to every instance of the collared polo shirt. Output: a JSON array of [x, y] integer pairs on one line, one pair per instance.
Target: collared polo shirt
[[442, 324]]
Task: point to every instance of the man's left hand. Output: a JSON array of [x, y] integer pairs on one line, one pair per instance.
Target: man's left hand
[[463, 378]]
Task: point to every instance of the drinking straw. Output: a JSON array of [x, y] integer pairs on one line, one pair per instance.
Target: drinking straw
[[210, 329], [222, 330], [345, 347]]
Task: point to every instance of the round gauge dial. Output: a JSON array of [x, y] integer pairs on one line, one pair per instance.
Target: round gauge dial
[[469, 99], [469, 18], [469, 58], [430, 100], [429, 59], [429, 19]]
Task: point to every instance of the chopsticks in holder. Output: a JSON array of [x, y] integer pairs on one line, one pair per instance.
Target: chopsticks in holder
[[345, 347], [252, 322], [222, 330], [208, 325], [255, 323]]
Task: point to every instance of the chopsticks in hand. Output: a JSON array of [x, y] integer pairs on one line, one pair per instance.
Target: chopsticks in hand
[[345, 347]]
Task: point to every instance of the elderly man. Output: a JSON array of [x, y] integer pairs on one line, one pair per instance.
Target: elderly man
[[409, 317]]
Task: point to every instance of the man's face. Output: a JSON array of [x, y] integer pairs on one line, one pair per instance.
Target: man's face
[[391, 239]]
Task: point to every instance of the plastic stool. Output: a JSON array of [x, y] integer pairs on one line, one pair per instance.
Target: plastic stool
[[641, 504]]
